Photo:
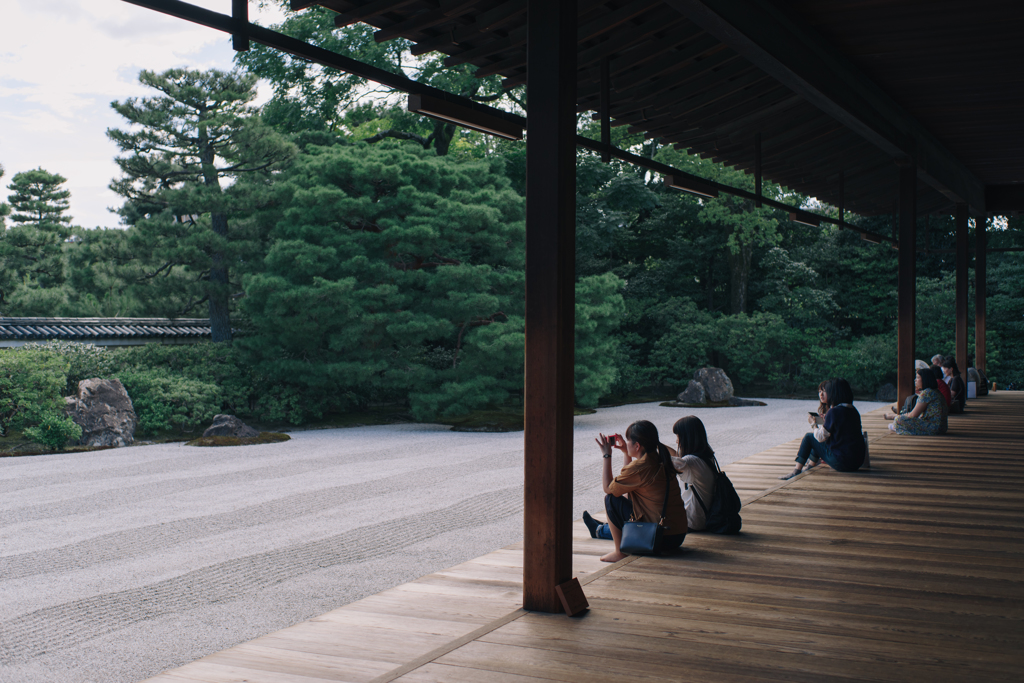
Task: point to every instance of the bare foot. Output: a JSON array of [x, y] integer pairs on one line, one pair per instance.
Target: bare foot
[[614, 556], [888, 416]]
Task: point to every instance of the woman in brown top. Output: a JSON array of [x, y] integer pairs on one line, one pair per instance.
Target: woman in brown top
[[638, 492]]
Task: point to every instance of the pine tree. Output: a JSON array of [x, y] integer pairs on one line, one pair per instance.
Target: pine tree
[[396, 273], [31, 249], [199, 130], [5, 208]]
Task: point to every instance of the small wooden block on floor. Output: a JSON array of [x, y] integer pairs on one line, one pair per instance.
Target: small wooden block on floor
[[572, 597]]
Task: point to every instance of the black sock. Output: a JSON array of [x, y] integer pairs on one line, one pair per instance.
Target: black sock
[[591, 523]]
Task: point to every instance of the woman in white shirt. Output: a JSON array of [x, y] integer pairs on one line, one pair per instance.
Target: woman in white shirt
[[695, 463]]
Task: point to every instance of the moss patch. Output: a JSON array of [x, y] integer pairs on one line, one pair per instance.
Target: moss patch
[[15, 445], [264, 437]]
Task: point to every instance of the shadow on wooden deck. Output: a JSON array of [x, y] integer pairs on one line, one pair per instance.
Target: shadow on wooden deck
[[909, 572]]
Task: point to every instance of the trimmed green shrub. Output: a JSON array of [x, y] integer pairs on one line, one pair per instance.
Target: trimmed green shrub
[[599, 312], [31, 382], [84, 361], [759, 347], [54, 431], [165, 402], [866, 363]]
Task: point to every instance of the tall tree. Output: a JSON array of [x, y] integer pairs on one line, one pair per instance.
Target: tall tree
[[31, 249], [393, 272], [746, 227], [199, 131], [5, 208]]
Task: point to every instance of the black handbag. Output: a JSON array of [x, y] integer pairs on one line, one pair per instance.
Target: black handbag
[[644, 538]]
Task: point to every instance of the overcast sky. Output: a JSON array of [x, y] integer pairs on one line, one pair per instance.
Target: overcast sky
[[62, 62]]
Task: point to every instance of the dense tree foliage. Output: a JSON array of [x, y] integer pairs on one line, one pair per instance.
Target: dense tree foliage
[[31, 249], [373, 256], [199, 130]]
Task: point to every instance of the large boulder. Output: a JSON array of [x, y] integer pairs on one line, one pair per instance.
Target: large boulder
[[229, 425], [694, 394], [716, 383], [104, 411], [886, 393]]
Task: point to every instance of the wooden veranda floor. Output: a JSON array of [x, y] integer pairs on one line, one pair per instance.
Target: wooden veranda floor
[[909, 572]]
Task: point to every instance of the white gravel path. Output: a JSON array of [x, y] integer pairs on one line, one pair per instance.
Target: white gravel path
[[117, 565]]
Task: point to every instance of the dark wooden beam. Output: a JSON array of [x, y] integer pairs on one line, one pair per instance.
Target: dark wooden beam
[[550, 301], [980, 293], [1004, 199], [803, 61], [962, 257], [907, 293]]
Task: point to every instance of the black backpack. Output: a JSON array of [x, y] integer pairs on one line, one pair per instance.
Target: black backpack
[[724, 515]]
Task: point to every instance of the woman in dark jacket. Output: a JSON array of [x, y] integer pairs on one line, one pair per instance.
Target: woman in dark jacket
[[840, 441]]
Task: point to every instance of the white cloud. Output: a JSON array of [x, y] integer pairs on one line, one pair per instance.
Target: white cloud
[[61, 64]]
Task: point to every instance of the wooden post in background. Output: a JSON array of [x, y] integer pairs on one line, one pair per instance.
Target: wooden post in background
[[962, 256], [980, 257], [550, 300], [907, 293]]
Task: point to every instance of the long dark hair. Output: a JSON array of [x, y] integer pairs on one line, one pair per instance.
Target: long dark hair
[[951, 364], [646, 434], [839, 391], [693, 439], [927, 379]]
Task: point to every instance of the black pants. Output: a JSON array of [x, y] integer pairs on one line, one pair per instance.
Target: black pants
[[620, 509]]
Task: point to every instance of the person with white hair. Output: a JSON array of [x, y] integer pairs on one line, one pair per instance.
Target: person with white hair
[[937, 360]]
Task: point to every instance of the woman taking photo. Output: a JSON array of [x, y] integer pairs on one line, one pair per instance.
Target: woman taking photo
[[926, 417], [839, 441], [638, 492]]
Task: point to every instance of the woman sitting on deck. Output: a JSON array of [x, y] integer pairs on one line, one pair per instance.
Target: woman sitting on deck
[[926, 417], [646, 466], [957, 390], [840, 441], [694, 461]]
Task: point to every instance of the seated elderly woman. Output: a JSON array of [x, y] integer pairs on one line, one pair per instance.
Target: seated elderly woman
[[926, 417]]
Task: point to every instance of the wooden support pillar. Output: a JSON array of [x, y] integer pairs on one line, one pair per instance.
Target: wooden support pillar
[[757, 170], [606, 108], [907, 294], [842, 197], [240, 13], [550, 300], [980, 256], [962, 255]]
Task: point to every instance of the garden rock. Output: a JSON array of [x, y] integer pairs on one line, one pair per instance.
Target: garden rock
[[694, 393], [716, 383], [229, 425], [104, 411], [886, 393]]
